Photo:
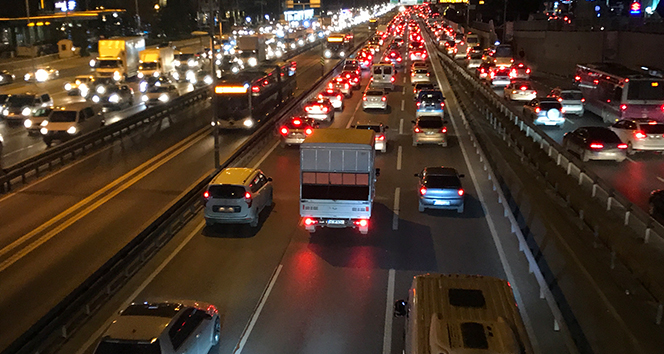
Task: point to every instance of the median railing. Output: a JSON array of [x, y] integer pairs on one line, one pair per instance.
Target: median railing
[[58, 325]]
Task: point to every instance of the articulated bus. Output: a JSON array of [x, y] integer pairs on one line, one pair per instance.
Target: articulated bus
[[614, 92], [245, 100]]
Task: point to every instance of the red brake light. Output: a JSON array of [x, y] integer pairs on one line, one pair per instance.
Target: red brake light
[[418, 104], [584, 100], [297, 122], [392, 79], [206, 194], [460, 191], [362, 223], [444, 130], [380, 137], [623, 107], [442, 105], [247, 198], [640, 135], [310, 221], [364, 98], [660, 107], [255, 89], [325, 109], [346, 86], [423, 190], [622, 146], [308, 131], [383, 98], [339, 97], [577, 78], [523, 88], [560, 99], [528, 71], [283, 131], [417, 129], [596, 145], [537, 110]]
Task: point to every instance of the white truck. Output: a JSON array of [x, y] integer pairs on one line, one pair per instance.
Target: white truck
[[251, 49], [337, 179], [156, 62], [118, 57]]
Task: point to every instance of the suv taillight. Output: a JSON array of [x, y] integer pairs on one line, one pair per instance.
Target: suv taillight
[[248, 198]]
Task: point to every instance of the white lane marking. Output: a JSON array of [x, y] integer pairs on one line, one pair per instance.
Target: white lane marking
[[403, 91], [269, 152], [660, 179], [387, 334], [401, 126], [395, 210], [399, 154], [350, 121], [404, 79], [140, 289], [630, 160], [254, 317], [491, 224], [570, 121], [403, 105]]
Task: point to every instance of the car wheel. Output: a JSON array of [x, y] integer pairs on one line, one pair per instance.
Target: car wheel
[[420, 207], [585, 157], [209, 222], [48, 142], [254, 221], [216, 331], [460, 209], [630, 149], [269, 200], [414, 143], [651, 209]]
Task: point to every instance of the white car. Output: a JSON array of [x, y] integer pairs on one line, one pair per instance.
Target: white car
[[420, 75], [335, 97], [157, 95], [640, 134], [519, 91], [380, 130], [374, 99], [42, 74]]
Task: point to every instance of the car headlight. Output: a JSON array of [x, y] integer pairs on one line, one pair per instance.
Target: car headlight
[[116, 75], [114, 98], [71, 130], [208, 79], [191, 76], [27, 123], [328, 53], [155, 74], [235, 69], [95, 99], [44, 131], [143, 86], [252, 61], [176, 63], [176, 76], [140, 75], [26, 77], [92, 63], [101, 90], [5, 112], [163, 98], [26, 111], [342, 54], [67, 87], [41, 75], [144, 98], [192, 62], [248, 123], [44, 123]]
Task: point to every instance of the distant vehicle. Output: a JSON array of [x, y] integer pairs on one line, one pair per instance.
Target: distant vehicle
[[383, 76], [481, 311], [118, 57], [334, 96], [380, 131], [200, 78], [430, 103], [296, 129], [394, 57], [114, 96], [157, 95], [499, 77], [342, 84], [374, 99], [39, 115], [6, 77], [640, 134], [336, 46], [545, 111], [320, 109], [353, 77], [423, 86], [429, 130], [152, 81], [42, 74], [162, 328], [81, 86], [419, 54], [156, 62], [237, 195], [473, 40], [473, 60], [520, 91], [18, 107], [440, 188], [519, 72], [251, 49], [595, 143], [71, 120], [484, 70], [247, 98], [503, 56], [572, 101], [337, 179], [420, 75], [615, 92]]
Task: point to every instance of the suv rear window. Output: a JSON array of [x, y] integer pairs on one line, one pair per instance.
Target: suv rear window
[[158, 310], [62, 116], [375, 128], [571, 96], [442, 182], [374, 93], [111, 346], [545, 106], [430, 123], [226, 191]]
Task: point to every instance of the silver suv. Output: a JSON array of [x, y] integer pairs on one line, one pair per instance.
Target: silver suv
[[237, 196], [162, 328]]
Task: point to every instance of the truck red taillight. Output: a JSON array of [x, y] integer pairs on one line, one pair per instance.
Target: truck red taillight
[[310, 221], [423, 190], [362, 223], [460, 192], [206, 194]]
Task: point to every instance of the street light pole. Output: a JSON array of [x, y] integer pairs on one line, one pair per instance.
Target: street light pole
[[138, 16]]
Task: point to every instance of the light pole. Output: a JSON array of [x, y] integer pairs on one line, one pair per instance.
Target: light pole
[[138, 16]]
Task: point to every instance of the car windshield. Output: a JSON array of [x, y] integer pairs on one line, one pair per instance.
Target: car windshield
[[226, 191], [442, 182], [572, 95], [545, 106], [374, 93], [20, 100], [431, 95], [147, 66], [108, 63], [375, 128], [653, 128], [648, 90], [110, 346], [423, 86], [421, 71], [158, 89], [62, 116], [430, 123]]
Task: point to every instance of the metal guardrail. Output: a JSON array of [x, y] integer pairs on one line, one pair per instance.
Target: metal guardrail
[[591, 198], [56, 327]]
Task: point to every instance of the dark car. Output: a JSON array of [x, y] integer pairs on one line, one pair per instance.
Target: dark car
[[6, 77], [595, 143], [440, 188], [114, 96], [656, 204]]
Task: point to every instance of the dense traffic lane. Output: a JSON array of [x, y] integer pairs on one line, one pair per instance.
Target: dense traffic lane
[[46, 253], [332, 291]]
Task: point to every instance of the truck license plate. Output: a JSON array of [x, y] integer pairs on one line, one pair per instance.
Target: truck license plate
[[441, 202], [336, 222]]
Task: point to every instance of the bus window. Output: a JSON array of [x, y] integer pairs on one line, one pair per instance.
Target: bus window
[[646, 90], [617, 94]]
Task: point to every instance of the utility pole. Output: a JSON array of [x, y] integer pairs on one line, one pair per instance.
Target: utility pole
[[213, 73], [138, 16]]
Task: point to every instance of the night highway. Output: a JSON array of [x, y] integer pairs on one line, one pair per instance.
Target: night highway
[[279, 288]]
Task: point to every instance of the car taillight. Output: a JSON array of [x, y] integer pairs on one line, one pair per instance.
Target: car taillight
[[493, 74], [364, 98], [444, 130], [325, 109], [414, 91], [339, 97], [297, 122], [527, 71], [563, 110], [423, 190], [383, 98], [660, 107], [255, 89], [640, 135], [310, 221], [577, 78], [622, 146], [460, 192], [308, 109], [584, 100], [537, 110], [596, 145], [417, 129], [248, 199], [392, 79], [418, 104], [623, 107], [362, 222], [442, 105], [560, 99], [346, 86], [206, 194], [380, 137], [399, 59], [283, 131], [523, 88], [412, 57], [308, 131]]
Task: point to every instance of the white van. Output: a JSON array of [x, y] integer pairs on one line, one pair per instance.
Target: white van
[[459, 313], [69, 121], [383, 76]]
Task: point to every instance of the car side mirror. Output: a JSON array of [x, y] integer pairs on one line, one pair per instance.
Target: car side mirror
[[353, 126], [418, 175], [445, 122], [412, 121], [386, 127], [377, 172], [461, 175], [400, 308], [269, 179]]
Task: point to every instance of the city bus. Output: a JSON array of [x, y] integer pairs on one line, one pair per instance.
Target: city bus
[[338, 45], [614, 92], [247, 99]]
